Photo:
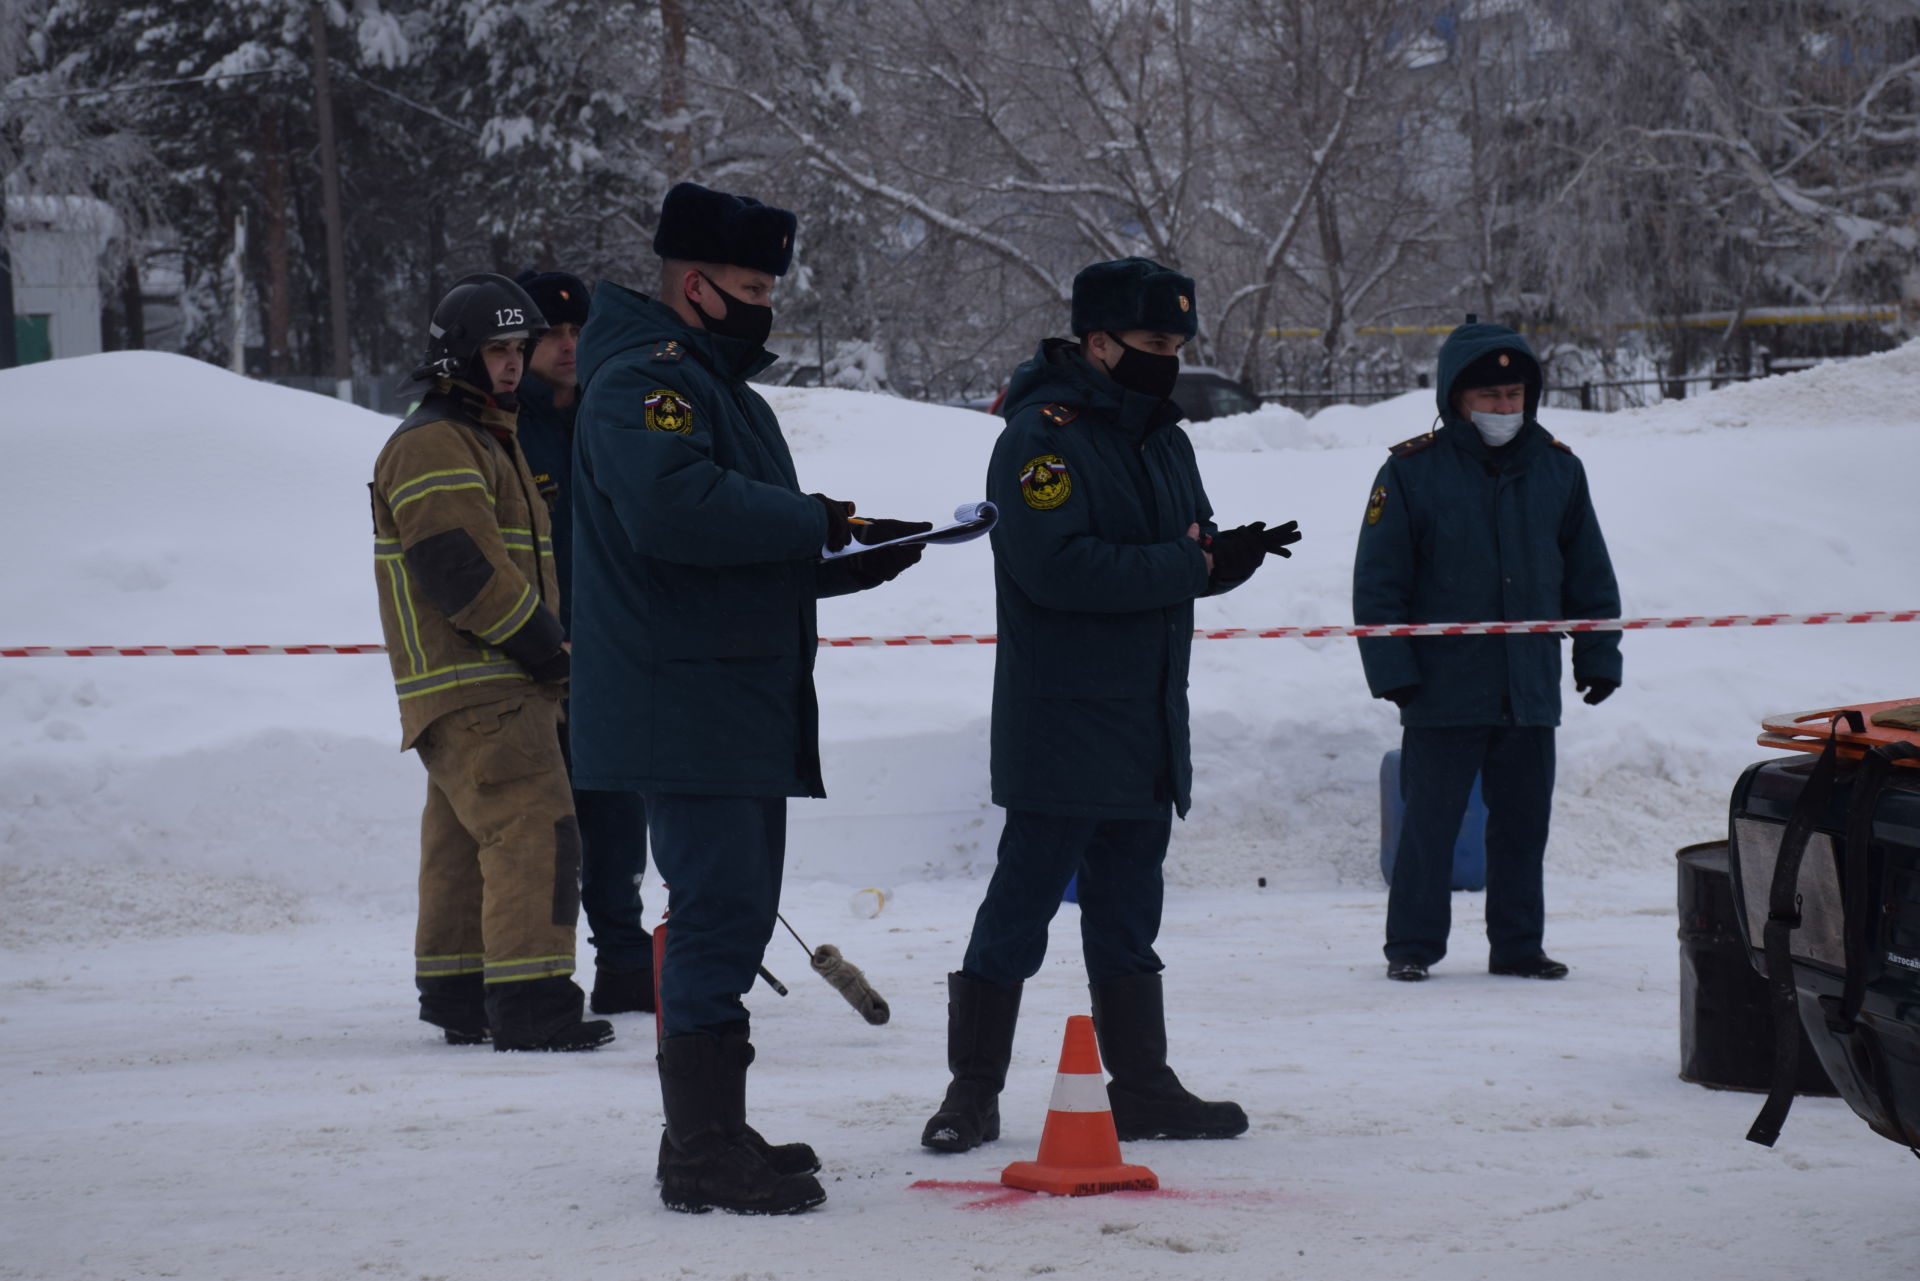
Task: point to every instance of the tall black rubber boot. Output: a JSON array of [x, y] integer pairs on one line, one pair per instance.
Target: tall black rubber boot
[[1130, 1019], [787, 1158], [702, 1167], [736, 1050], [980, 1023]]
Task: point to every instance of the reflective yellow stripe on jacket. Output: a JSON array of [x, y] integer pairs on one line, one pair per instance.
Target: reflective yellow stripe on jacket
[[524, 540], [437, 482], [388, 555], [459, 674], [514, 619]]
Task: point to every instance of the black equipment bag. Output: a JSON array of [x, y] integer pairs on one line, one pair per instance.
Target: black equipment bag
[[1825, 856]]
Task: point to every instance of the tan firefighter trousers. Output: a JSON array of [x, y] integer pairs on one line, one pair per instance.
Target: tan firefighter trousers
[[499, 845]]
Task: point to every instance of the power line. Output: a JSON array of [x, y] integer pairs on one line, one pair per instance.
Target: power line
[[212, 77], [209, 78], [408, 102]]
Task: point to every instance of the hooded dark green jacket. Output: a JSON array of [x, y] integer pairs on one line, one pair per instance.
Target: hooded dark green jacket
[[1457, 532], [697, 564], [1094, 581]]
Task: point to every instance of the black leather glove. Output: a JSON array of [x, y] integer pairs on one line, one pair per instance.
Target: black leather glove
[[838, 531], [869, 532], [1281, 537], [555, 669], [884, 564], [1597, 689], [1237, 552], [1402, 696]]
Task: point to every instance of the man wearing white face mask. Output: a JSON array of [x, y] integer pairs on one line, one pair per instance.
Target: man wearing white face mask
[[1486, 518]]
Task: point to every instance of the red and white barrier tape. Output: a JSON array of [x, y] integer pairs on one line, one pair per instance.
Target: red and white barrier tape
[[1228, 633]]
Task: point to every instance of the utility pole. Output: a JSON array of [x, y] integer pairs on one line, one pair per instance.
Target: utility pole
[[673, 89], [330, 198]]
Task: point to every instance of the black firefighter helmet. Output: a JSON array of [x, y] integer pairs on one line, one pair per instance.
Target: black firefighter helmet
[[478, 309]]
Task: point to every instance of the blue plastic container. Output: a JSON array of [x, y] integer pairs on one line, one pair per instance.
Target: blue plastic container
[[1469, 848]]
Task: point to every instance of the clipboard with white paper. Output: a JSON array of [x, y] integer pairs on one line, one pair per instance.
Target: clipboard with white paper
[[970, 521]]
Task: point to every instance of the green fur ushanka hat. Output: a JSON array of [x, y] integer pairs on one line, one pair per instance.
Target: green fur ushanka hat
[[1133, 293], [698, 224]]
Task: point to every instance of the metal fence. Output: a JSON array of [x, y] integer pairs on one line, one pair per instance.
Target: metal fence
[[386, 394], [1602, 396]]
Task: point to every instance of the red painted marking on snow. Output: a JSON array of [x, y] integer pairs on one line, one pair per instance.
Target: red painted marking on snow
[[987, 638], [995, 1196]]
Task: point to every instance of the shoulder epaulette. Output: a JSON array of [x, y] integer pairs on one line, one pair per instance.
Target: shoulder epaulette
[[1059, 415], [1414, 446], [668, 351], [1561, 445]]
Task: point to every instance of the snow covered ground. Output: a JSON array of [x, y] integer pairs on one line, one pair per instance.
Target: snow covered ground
[[206, 877]]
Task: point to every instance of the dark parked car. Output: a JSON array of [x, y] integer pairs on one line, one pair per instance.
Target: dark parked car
[[1207, 393], [1201, 393]]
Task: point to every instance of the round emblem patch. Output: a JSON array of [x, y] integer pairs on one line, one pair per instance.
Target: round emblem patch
[[1376, 503], [1044, 482], [667, 411]]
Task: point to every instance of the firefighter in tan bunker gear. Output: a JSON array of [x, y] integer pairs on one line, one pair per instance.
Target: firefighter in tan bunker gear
[[469, 600]]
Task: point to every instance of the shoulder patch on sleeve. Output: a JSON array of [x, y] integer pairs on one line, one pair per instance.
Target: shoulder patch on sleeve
[[1376, 504], [1561, 445], [668, 351], [1414, 446], [1059, 415], [1044, 482], [668, 410]]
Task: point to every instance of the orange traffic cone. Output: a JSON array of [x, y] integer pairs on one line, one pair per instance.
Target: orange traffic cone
[[1079, 1150]]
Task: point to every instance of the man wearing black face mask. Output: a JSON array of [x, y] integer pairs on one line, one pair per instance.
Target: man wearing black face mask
[[698, 562], [1104, 540]]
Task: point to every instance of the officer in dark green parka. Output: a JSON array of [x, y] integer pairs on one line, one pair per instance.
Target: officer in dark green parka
[[698, 561], [1485, 519], [1105, 538]]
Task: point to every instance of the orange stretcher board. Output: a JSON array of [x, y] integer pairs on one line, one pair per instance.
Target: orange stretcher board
[[1808, 731]]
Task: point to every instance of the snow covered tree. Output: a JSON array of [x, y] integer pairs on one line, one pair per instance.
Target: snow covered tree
[[59, 140]]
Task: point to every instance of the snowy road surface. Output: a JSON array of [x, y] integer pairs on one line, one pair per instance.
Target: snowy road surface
[[258, 1105]]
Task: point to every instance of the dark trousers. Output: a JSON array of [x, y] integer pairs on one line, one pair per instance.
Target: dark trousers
[[1118, 862], [613, 837], [1515, 764], [722, 859]]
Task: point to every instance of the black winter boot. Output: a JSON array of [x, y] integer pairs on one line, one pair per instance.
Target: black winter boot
[[785, 1158], [702, 1167], [542, 1014], [1148, 1101], [736, 1051], [980, 1024], [622, 991], [456, 1004]]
